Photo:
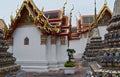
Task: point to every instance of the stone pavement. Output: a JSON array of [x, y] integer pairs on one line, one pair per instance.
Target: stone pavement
[[79, 72]]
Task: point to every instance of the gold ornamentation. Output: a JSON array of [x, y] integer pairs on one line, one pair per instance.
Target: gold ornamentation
[[72, 9], [64, 8]]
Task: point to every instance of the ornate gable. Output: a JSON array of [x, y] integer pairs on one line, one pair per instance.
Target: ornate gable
[[25, 19], [27, 14], [104, 16], [104, 19]]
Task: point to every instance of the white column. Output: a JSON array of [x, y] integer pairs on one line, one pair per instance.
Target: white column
[[45, 54], [64, 50], [61, 53], [52, 59]]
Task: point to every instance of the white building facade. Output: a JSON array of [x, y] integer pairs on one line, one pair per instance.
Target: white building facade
[[35, 43]]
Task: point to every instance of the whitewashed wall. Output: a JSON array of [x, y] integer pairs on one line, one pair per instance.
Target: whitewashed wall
[[37, 57], [32, 55], [61, 53], [79, 46]]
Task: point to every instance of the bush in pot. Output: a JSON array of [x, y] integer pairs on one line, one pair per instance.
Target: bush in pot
[[70, 64]]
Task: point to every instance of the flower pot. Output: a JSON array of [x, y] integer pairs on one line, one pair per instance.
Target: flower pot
[[69, 70]]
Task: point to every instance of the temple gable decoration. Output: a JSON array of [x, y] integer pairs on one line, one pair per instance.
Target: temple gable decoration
[[27, 14], [104, 16]]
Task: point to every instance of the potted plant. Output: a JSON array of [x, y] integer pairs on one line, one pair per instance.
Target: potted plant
[[69, 65]]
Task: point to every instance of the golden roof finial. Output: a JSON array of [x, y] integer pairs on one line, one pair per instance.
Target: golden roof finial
[[71, 15], [41, 12], [105, 3], [64, 7], [72, 9], [26, 0], [42, 9], [47, 19], [17, 9], [46, 22], [12, 19]]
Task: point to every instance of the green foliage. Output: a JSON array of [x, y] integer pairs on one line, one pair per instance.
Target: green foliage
[[69, 64], [71, 50], [70, 54]]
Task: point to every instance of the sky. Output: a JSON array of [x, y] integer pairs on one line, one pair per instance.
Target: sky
[[83, 7]]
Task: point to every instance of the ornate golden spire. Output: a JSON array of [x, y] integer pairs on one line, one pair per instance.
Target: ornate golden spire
[[41, 12], [12, 19], [42, 9]]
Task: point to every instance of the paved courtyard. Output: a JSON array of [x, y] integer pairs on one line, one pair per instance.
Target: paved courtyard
[[79, 72]]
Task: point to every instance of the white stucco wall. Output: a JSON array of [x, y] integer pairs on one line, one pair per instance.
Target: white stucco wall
[[33, 54], [79, 46], [36, 56], [61, 53]]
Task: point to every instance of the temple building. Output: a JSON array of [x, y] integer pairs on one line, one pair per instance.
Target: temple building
[[38, 39], [109, 62]]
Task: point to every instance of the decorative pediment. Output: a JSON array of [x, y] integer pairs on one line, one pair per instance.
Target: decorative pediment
[[104, 16], [25, 18], [104, 19], [30, 14]]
